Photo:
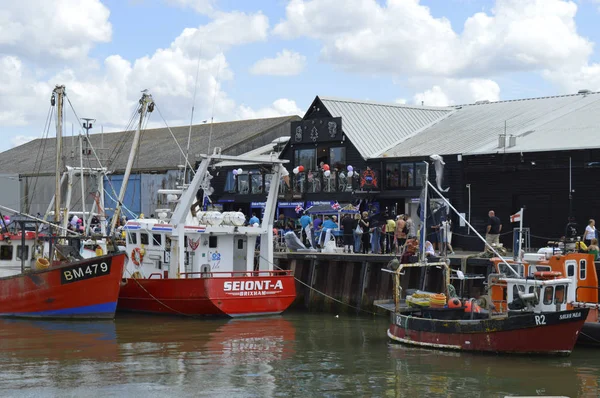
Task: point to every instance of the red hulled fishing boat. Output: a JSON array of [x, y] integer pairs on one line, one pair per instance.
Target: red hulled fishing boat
[[204, 262], [521, 313], [41, 275]]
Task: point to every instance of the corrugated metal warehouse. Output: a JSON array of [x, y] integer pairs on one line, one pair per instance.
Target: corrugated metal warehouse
[[157, 165]]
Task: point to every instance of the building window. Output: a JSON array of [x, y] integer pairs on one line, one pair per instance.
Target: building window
[[392, 175], [230, 182], [144, 239], [407, 175], [243, 183], [256, 182], [6, 252], [306, 158], [337, 158], [419, 174]]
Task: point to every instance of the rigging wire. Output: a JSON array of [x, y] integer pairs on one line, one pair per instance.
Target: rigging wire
[[187, 152], [173, 135], [212, 116], [37, 167]]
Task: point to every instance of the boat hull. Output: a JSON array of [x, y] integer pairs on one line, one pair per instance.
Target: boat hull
[[549, 333], [86, 289], [211, 296], [590, 334]]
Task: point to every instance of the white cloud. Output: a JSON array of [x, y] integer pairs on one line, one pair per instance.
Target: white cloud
[[400, 101], [109, 90], [458, 91], [286, 63], [280, 107], [401, 37], [53, 30], [223, 32]]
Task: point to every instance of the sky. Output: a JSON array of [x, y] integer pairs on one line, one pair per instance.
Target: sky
[[241, 59]]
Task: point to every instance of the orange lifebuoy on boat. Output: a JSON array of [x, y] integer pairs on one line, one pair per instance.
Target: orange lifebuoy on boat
[[547, 274], [137, 256]]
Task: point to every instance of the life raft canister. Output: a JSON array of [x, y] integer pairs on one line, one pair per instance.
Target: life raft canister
[[545, 275], [137, 256]]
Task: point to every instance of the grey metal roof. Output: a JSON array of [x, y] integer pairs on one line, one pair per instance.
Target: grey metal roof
[[539, 124], [373, 126], [157, 151]]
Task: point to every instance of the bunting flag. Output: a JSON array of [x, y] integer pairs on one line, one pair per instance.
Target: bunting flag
[[336, 206], [299, 208], [517, 216]]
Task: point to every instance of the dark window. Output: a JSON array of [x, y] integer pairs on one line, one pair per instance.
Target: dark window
[[392, 175], [531, 289], [243, 183], [407, 175], [419, 174], [548, 295], [6, 252], [240, 243], [157, 239], [230, 182], [337, 158], [570, 270], [144, 239], [212, 242], [306, 158], [132, 238], [582, 270], [256, 181], [19, 252], [559, 296]]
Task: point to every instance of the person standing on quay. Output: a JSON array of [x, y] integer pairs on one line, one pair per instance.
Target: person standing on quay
[[307, 236], [366, 236], [348, 226], [492, 232], [590, 232]]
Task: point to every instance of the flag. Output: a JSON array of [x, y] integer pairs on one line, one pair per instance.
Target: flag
[[336, 206], [299, 208], [517, 216]]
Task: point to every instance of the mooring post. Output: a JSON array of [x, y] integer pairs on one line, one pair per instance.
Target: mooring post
[[364, 282], [312, 275]]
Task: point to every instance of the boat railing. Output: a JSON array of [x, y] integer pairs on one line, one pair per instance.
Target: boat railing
[[585, 287], [237, 274], [157, 274]]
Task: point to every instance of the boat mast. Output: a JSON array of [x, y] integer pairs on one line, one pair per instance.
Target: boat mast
[[147, 104], [423, 242], [58, 96]]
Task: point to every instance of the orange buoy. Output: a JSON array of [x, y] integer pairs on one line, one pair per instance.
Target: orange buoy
[[454, 303]]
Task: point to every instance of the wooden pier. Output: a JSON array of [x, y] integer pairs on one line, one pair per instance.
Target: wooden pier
[[356, 280]]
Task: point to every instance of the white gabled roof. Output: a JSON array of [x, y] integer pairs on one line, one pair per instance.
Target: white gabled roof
[[374, 126], [539, 124]]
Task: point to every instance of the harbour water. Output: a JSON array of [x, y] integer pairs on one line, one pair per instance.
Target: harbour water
[[304, 355]]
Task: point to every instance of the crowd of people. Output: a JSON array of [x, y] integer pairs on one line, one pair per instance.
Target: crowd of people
[[362, 232]]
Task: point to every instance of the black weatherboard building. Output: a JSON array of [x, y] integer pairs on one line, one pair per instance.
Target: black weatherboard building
[[506, 155], [498, 156], [342, 133]]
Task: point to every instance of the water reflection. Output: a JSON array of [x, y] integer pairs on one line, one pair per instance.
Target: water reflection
[[294, 355], [444, 373]]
